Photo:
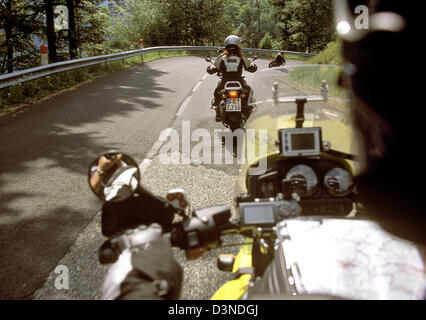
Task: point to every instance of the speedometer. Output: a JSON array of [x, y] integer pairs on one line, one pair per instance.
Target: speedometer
[[339, 182], [303, 180]]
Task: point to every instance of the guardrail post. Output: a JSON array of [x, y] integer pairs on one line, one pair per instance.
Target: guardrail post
[[140, 43], [44, 59]]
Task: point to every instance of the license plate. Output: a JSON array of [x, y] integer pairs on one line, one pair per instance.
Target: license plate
[[233, 105]]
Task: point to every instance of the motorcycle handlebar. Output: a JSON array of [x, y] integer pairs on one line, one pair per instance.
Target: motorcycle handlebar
[[203, 229]]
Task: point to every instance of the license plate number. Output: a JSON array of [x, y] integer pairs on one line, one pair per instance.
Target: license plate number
[[233, 105]]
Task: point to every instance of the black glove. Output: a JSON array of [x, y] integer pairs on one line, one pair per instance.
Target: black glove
[[252, 68], [211, 70], [145, 269]]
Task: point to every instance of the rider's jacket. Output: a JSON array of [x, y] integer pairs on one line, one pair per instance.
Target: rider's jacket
[[280, 58], [232, 67]]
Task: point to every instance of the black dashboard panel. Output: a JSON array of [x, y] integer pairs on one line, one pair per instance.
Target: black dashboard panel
[[321, 202]]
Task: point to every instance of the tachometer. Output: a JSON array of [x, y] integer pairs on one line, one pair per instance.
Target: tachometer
[[339, 182], [303, 180]]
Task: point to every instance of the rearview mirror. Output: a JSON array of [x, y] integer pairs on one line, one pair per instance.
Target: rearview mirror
[[113, 176]]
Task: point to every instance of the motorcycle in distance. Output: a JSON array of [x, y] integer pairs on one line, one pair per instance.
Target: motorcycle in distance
[[304, 232], [277, 62], [236, 102]]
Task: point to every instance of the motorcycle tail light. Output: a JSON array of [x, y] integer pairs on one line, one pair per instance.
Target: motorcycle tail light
[[233, 94]]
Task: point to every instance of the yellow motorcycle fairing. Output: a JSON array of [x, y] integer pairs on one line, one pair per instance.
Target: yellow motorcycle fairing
[[234, 289], [340, 135]]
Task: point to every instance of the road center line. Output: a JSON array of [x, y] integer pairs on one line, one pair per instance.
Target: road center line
[[183, 106], [143, 166], [196, 87]]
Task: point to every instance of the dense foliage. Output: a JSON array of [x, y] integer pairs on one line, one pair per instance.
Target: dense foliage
[[97, 27]]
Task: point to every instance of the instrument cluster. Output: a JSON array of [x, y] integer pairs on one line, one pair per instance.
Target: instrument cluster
[[325, 187]]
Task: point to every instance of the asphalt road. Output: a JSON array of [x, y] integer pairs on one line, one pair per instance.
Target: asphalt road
[[49, 217]]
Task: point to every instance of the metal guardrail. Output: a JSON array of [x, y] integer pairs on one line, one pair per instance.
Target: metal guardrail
[[14, 78]]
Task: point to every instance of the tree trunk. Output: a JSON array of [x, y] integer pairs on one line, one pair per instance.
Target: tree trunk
[[258, 25], [50, 31], [72, 36], [9, 41]]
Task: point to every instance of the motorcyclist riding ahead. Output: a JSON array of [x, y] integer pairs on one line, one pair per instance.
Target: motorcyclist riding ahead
[[231, 64]]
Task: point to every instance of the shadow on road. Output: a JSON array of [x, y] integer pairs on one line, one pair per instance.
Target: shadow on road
[[45, 201]]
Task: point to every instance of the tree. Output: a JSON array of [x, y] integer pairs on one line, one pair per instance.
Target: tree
[[72, 32], [20, 21], [50, 31], [266, 42], [171, 22], [93, 26], [307, 23]]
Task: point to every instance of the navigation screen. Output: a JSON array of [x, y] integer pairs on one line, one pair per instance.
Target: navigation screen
[[259, 215], [303, 141]]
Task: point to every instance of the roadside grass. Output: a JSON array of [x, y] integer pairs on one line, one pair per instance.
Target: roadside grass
[[33, 91], [309, 78], [330, 55]]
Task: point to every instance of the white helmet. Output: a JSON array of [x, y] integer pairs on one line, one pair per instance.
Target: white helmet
[[232, 40]]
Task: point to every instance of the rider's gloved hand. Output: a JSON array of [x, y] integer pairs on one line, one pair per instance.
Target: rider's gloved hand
[[211, 70], [145, 268], [252, 68]]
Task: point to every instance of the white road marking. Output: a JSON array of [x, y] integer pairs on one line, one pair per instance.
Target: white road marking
[[156, 146], [331, 114], [196, 87], [183, 106], [273, 68], [143, 166]]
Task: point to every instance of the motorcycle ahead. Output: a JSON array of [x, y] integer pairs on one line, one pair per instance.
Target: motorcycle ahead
[[236, 102]]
